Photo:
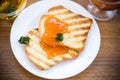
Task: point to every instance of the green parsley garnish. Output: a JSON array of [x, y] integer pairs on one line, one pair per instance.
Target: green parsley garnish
[[59, 37], [24, 40]]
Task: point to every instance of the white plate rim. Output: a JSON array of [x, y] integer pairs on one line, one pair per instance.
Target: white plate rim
[[54, 2]]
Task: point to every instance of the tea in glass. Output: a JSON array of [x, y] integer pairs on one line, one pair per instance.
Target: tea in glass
[[9, 9], [103, 9]]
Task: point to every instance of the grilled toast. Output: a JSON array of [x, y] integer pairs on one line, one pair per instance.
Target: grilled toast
[[39, 57], [74, 39], [79, 26]]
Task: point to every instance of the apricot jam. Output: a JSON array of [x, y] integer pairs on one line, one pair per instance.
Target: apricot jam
[[49, 44]]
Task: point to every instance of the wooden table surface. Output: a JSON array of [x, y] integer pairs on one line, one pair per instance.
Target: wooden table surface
[[106, 66]]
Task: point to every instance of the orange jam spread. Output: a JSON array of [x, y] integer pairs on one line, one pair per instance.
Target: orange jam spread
[[52, 27]]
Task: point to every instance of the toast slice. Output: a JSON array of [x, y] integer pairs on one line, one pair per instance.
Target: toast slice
[[38, 56], [79, 26]]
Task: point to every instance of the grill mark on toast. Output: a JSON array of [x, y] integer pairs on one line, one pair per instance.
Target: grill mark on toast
[[82, 26], [84, 40], [56, 8], [73, 55], [78, 32], [63, 16], [38, 63], [83, 33], [59, 12], [81, 38], [57, 59], [75, 16], [77, 49], [66, 56], [80, 35], [75, 20], [82, 46], [80, 22]]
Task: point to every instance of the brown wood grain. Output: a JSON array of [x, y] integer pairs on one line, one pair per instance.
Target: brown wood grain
[[106, 66]]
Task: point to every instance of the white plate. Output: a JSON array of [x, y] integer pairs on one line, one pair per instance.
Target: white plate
[[29, 19]]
